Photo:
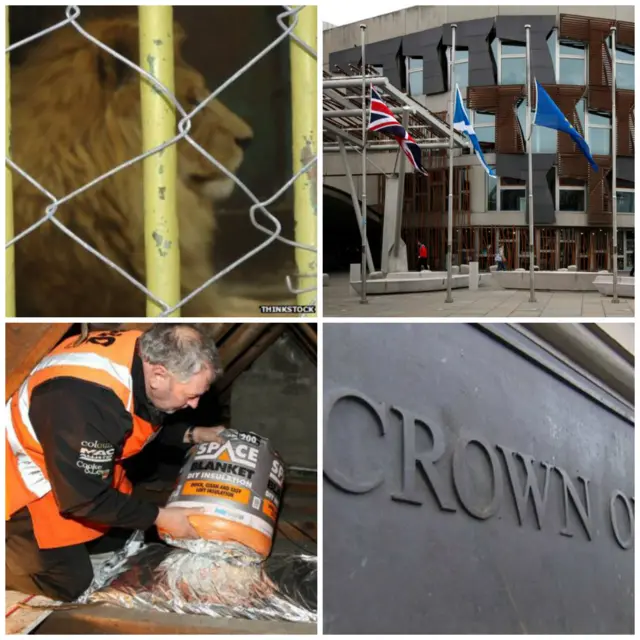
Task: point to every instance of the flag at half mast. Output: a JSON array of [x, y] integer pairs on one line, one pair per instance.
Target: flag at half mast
[[547, 114], [462, 124], [381, 119]]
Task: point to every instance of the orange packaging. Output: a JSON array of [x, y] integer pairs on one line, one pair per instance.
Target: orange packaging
[[239, 484]]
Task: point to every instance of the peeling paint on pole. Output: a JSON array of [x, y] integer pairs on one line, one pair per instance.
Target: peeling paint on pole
[[162, 254]]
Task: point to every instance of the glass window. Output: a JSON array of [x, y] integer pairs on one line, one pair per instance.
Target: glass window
[[544, 139], [415, 84], [460, 68], [599, 134], [485, 127], [599, 141], [461, 74], [495, 43], [624, 76], [572, 49], [572, 71], [625, 56], [626, 201], [486, 134], [484, 118], [512, 199], [513, 49], [580, 111], [492, 190], [414, 76], [513, 71], [572, 200], [597, 119]]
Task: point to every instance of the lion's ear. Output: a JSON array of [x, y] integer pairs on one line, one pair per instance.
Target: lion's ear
[[122, 37], [113, 72]]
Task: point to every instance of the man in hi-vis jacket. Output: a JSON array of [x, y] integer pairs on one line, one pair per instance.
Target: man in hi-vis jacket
[[84, 409]]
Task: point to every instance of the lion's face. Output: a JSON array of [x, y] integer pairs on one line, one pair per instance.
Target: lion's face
[[215, 127], [109, 92]]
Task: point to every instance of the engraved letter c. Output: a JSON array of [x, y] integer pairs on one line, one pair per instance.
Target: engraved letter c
[[333, 474]]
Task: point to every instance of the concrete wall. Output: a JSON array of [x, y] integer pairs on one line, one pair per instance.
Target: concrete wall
[[277, 398]]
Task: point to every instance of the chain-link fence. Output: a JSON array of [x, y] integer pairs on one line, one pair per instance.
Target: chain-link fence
[[165, 300]]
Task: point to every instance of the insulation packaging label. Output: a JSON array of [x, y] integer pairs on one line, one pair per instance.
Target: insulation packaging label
[[239, 480]]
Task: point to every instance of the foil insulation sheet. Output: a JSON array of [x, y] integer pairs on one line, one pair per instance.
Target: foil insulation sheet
[[161, 578]]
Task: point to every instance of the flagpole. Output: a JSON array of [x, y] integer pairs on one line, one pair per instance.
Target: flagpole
[[532, 292], [452, 61], [614, 153], [363, 228]]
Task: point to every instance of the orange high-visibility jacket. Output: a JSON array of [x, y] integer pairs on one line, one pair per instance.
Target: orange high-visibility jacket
[[105, 359]]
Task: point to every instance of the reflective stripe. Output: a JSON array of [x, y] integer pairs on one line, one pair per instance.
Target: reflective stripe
[[23, 407], [30, 472], [93, 361]]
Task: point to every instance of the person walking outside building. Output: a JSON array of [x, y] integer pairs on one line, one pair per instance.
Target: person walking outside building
[[500, 261], [422, 257]]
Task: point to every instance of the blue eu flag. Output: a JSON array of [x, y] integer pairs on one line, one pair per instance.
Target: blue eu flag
[[548, 115]]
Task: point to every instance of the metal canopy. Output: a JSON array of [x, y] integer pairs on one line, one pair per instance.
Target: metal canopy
[[342, 115]]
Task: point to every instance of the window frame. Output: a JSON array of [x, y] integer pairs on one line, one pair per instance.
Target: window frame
[[560, 188], [589, 126], [513, 56], [482, 125], [545, 131], [626, 190], [625, 62], [416, 70], [465, 61], [568, 56], [499, 188]]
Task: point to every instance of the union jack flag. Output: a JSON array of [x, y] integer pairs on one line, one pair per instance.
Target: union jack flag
[[382, 119]]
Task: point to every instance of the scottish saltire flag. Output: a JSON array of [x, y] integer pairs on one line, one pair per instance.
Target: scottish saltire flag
[[461, 123], [548, 115], [382, 119]]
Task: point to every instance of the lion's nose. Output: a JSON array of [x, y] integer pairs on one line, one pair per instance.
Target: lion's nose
[[244, 143]]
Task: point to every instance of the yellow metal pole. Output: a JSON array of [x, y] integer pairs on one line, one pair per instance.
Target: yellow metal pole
[[162, 249], [304, 106], [10, 290]]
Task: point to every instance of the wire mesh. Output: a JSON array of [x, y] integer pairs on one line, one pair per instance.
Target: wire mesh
[[273, 234]]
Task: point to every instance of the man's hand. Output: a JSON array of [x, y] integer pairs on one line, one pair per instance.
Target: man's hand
[[206, 434], [175, 522]]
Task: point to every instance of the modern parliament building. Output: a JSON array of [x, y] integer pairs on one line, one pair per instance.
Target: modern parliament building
[[572, 57]]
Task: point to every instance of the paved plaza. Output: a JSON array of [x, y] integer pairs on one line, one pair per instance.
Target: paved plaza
[[340, 299]]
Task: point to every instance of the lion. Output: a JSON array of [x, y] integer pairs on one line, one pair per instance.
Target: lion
[[75, 116]]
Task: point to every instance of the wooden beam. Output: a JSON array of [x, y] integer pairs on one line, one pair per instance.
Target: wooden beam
[[26, 345], [253, 352], [308, 331], [240, 340], [222, 330], [310, 349]]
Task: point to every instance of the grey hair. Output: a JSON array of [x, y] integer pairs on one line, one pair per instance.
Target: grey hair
[[183, 348]]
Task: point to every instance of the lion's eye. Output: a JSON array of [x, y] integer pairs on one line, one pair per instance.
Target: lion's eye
[[194, 102]]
